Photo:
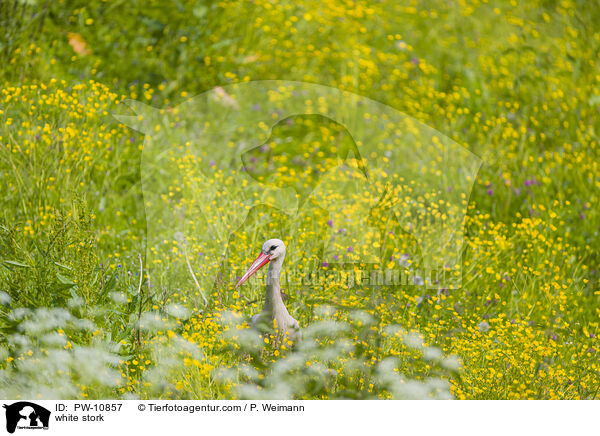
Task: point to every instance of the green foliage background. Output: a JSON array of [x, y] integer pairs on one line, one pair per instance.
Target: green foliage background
[[515, 82]]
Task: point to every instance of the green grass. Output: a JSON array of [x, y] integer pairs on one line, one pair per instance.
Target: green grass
[[515, 84]]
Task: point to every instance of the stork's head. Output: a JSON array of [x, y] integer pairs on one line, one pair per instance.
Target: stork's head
[[273, 249]]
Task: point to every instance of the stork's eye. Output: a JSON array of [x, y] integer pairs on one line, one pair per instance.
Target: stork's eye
[[273, 247]]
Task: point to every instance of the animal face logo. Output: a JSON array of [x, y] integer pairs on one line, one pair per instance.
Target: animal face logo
[[26, 415], [342, 179]]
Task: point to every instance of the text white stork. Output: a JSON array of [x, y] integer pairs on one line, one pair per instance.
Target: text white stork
[[273, 251]]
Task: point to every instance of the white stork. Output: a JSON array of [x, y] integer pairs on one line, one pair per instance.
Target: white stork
[[273, 251]]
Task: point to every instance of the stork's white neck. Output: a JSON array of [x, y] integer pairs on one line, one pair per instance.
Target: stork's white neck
[[273, 300]]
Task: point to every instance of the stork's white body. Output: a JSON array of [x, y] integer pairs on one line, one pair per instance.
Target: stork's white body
[[274, 309]]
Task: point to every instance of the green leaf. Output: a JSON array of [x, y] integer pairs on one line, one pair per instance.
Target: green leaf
[[200, 11], [108, 286], [65, 281], [594, 100], [63, 266], [15, 263]]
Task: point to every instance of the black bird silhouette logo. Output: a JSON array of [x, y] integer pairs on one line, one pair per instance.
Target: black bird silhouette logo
[[28, 415]]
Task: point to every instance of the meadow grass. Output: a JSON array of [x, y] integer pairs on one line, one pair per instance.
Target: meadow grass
[[86, 294]]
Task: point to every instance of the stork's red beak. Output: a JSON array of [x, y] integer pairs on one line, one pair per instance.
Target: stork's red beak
[[260, 261]]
